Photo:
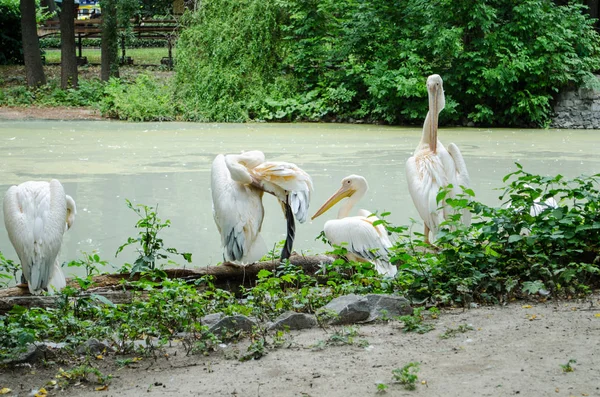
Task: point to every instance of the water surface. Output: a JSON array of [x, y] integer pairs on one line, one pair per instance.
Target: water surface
[[101, 163]]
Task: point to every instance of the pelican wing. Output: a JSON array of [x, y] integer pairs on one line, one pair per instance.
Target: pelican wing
[[364, 240], [538, 207], [460, 167], [238, 213], [34, 215], [460, 177], [425, 174], [281, 179]]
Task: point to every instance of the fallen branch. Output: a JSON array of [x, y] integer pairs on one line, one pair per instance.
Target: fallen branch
[[226, 276]]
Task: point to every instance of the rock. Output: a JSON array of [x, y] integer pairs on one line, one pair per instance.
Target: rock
[[347, 309], [93, 346], [579, 108], [350, 309], [387, 306], [294, 321], [232, 324], [470, 124], [32, 354], [211, 319]]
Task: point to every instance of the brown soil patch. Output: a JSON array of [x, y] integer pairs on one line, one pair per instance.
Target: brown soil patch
[[48, 113]]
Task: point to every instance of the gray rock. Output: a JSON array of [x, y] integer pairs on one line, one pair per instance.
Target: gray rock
[[93, 346], [211, 319], [293, 321], [232, 324], [32, 354], [347, 309], [387, 306], [352, 308]]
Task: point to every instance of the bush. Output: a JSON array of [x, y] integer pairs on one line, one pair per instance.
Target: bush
[[11, 48], [144, 100], [228, 59], [502, 62]]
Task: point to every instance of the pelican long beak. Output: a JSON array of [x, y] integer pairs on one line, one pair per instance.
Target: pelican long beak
[[343, 192], [433, 110]]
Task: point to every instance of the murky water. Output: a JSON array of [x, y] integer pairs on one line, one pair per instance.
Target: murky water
[[103, 163]]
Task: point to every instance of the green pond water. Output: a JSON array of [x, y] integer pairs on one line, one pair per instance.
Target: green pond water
[[101, 163]]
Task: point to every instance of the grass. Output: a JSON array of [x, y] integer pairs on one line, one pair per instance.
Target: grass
[[140, 56]]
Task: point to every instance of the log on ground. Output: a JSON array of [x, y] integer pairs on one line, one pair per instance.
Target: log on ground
[[226, 276]]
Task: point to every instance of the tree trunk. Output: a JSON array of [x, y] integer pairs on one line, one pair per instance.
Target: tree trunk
[[68, 58], [110, 41], [31, 45]]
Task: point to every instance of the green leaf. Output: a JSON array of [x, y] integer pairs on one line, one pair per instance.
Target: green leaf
[[102, 299], [514, 237]]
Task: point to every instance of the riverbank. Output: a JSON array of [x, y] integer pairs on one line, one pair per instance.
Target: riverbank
[[519, 349], [49, 113]]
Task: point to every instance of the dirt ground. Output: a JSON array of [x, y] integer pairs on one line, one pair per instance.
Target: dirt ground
[[516, 349], [46, 113]]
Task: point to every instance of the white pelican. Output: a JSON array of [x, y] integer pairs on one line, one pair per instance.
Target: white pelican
[[366, 242], [432, 167], [237, 184], [536, 208], [36, 215]]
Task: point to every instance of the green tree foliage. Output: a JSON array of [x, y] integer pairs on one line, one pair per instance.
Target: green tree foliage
[[227, 58], [11, 49], [502, 61]]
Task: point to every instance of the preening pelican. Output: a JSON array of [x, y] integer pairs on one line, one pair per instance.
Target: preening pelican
[[432, 167], [36, 215], [366, 242], [237, 184]]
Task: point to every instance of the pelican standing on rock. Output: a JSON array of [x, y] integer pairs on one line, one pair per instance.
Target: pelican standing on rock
[[238, 183], [432, 167], [36, 215], [366, 242]]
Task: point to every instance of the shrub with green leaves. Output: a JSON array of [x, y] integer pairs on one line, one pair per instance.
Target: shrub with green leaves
[[502, 62], [11, 47], [228, 58], [146, 99]]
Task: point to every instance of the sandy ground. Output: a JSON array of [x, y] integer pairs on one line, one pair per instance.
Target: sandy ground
[[513, 350]]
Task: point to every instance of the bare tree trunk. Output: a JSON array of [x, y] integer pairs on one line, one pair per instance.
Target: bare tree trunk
[[68, 58], [110, 41], [31, 45]]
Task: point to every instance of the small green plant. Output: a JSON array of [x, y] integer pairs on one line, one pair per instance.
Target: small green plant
[[152, 247], [568, 367], [382, 388], [452, 332], [407, 375], [414, 322], [8, 270], [274, 253]]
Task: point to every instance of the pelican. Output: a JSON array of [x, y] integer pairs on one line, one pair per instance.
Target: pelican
[[238, 183], [366, 242], [537, 208], [432, 167], [36, 215]]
